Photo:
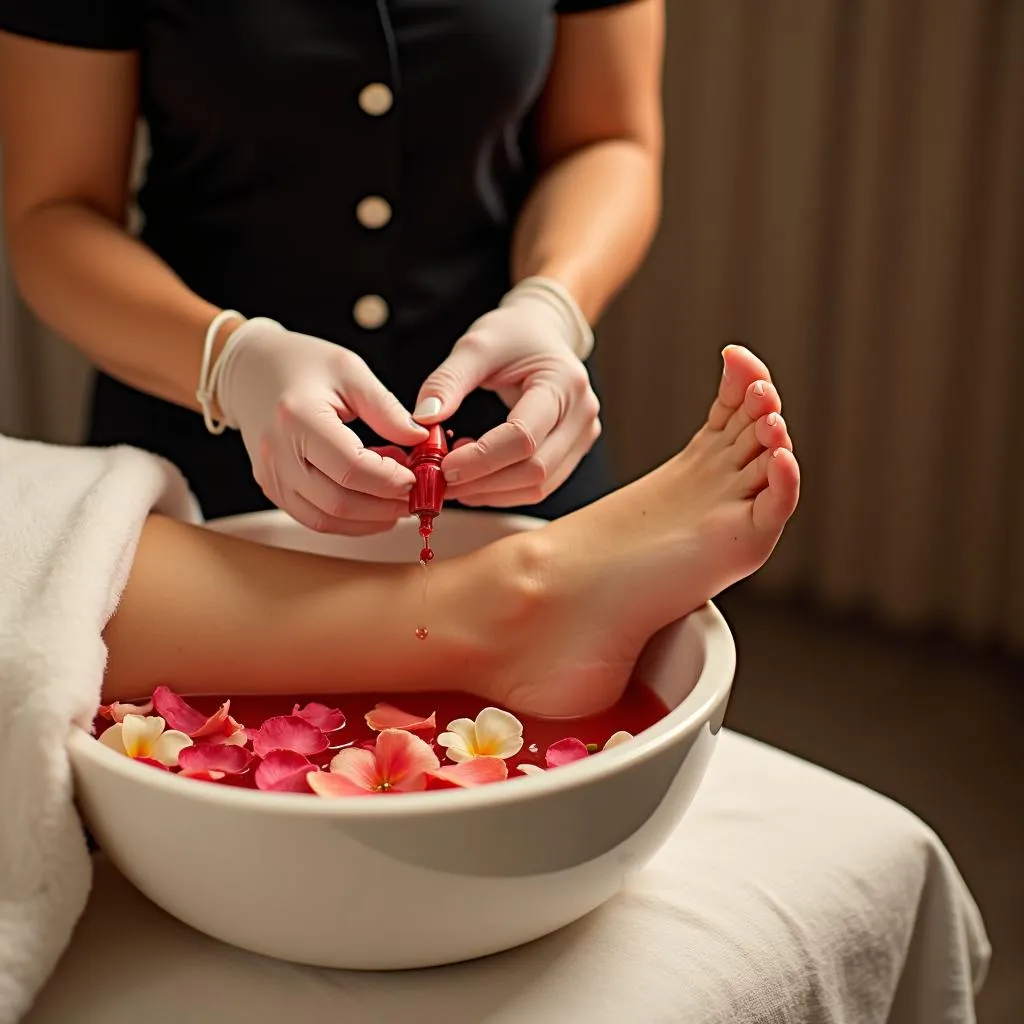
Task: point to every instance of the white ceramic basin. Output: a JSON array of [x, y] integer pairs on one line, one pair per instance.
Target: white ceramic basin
[[424, 878]]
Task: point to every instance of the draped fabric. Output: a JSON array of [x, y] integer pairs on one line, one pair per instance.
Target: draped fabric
[[845, 194]]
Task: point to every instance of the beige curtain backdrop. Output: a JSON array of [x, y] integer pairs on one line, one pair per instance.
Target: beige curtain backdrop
[[844, 194]]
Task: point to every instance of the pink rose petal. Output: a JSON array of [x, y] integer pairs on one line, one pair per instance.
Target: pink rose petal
[[476, 772], [289, 732], [182, 716], [328, 784], [203, 776], [116, 711], [565, 752], [152, 762], [227, 731], [215, 724], [284, 771], [215, 757], [386, 716], [324, 718]]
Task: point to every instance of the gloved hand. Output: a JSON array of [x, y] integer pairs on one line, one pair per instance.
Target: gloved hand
[[291, 395], [529, 351]]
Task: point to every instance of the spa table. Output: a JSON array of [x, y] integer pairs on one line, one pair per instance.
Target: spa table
[[788, 894]]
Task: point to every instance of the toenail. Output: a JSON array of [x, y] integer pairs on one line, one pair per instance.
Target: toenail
[[759, 389], [771, 419]]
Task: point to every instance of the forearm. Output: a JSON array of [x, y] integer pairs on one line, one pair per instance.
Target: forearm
[[590, 220], [113, 298], [206, 613]]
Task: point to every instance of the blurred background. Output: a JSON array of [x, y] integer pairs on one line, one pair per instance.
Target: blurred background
[[845, 195]]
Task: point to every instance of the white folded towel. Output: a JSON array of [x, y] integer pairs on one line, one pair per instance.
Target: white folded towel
[[70, 519]]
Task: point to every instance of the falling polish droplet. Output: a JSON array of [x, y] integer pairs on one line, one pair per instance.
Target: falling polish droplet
[[422, 633], [426, 555]]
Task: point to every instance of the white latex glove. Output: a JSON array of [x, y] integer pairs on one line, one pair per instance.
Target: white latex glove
[[526, 352], [291, 395]]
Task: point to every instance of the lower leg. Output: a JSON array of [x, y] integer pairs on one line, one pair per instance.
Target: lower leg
[[549, 622]]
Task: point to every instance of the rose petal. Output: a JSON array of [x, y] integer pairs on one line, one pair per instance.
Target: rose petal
[[284, 771], [402, 760], [477, 772], [214, 725], [152, 763], [565, 752], [176, 712], [116, 711], [227, 731], [617, 739], [239, 737], [358, 766], [139, 734], [531, 769], [215, 757], [498, 733], [324, 718], [202, 776], [182, 716], [329, 784], [289, 732], [387, 716]]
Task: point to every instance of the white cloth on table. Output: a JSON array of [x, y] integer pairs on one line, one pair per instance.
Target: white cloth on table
[[70, 519], [787, 896]]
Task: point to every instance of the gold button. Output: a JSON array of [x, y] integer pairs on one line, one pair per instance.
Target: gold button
[[371, 312], [373, 212], [376, 99]]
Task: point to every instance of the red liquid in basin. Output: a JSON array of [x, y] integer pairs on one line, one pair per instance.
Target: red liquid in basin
[[638, 709]]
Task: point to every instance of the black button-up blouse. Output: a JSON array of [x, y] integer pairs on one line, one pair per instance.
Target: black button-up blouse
[[352, 168]]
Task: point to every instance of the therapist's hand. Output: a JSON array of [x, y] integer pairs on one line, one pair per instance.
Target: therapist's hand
[[523, 351], [291, 396]]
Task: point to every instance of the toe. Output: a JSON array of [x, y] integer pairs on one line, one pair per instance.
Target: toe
[[742, 368], [761, 398], [777, 502], [767, 432], [753, 478]]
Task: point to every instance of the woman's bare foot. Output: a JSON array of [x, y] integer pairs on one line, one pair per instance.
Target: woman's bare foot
[[616, 572]]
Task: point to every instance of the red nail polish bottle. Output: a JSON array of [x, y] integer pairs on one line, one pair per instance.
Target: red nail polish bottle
[[427, 495]]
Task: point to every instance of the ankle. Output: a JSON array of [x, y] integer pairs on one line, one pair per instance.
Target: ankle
[[524, 569], [515, 584]]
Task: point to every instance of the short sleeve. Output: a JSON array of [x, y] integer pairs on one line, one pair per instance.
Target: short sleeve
[[578, 6], [89, 24]]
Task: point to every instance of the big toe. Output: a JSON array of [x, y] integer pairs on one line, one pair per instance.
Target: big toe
[[742, 368]]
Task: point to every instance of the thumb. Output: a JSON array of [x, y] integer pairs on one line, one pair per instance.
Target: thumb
[[378, 408], [468, 366]]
